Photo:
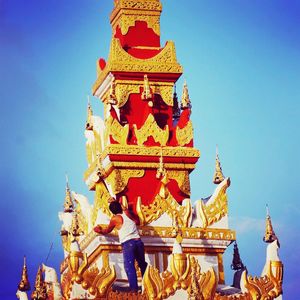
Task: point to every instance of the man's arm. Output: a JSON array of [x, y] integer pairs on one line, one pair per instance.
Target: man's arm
[[111, 226]]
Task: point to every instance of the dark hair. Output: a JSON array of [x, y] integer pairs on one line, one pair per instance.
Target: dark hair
[[115, 207]]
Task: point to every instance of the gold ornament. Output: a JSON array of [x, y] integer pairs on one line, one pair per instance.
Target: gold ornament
[[150, 128], [118, 132], [118, 178], [215, 211], [185, 135]]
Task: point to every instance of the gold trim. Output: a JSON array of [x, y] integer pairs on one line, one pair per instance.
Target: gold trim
[[150, 151]]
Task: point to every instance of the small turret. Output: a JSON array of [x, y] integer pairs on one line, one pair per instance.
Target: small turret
[[218, 175], [176, 108], [185, 99], [237, 263], [68, 204], [89, 121], [147, 95], [24, 284], [238, 266], [270, 235], [40, 291]]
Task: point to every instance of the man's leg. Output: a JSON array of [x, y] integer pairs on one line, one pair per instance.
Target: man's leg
[[128, 255], [140, 256]]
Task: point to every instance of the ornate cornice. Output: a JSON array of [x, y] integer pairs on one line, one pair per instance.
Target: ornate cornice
[[127, 12], [121, 61]]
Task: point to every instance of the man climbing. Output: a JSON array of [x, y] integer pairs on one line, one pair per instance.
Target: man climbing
[[132, 246]]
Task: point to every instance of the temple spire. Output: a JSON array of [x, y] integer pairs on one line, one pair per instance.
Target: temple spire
[[185, 99], [176, 109], [89, 122], [24, 284], [270, 235], [237, 263], [68, 204], [218, 175], [40, 292]]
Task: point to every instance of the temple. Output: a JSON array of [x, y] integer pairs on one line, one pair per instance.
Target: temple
[[141, 154]]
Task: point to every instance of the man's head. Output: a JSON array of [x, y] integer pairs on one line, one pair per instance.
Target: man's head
[[115, 207]]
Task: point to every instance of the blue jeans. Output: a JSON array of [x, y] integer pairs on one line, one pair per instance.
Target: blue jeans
[[133, 250]]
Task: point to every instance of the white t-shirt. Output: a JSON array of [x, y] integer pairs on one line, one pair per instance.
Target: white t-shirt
[[128, 230]]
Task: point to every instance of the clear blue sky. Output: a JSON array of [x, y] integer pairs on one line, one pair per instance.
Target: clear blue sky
[[242, 64]]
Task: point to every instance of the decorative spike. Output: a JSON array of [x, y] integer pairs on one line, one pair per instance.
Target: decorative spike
[[218, 175], [89, 121], [185, 99], [237, 263], [68, 204], [176, 109], [147, 95], [112, 94], [40, 291], [270, 235], [24, 284]]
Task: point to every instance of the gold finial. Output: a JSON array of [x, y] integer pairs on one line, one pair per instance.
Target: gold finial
[[176, 109], [218, 176], [40, 292], [24, 284], [75, 227], [185, 99], [270, 235], [112, 94], [89, 121], [147, 95], [237, 263], [68, 204]]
